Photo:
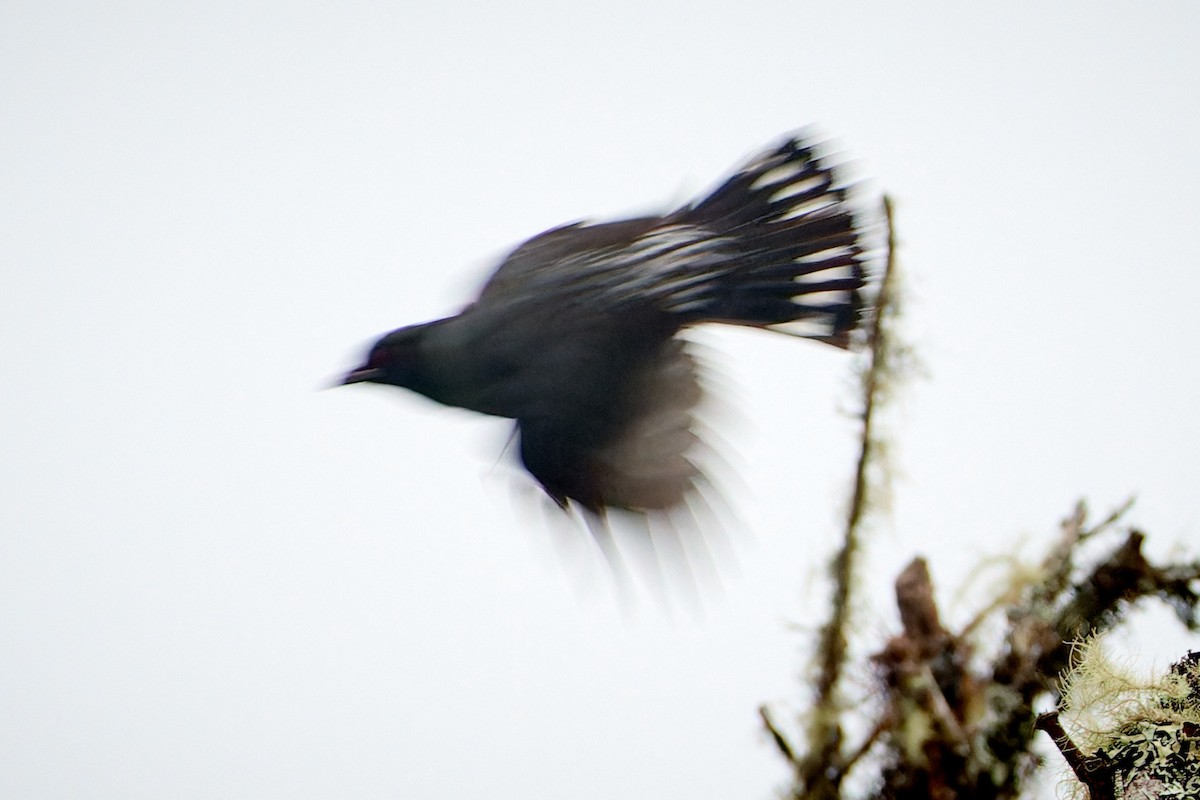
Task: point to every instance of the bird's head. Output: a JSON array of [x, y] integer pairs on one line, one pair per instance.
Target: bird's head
[[395, 359]]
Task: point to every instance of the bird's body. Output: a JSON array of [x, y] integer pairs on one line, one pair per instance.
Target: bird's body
[[574, 335]]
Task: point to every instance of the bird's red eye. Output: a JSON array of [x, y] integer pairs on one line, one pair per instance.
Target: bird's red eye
[[377, 358]]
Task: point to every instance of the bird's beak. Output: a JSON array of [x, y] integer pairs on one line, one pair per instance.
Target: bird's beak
[[361, 375]]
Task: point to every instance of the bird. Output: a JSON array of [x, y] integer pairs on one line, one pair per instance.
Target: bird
[[576, 335]]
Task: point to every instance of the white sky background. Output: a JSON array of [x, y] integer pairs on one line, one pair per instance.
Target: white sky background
[[218, 581]]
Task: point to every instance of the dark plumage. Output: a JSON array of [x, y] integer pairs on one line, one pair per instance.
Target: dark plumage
[[574, 334]]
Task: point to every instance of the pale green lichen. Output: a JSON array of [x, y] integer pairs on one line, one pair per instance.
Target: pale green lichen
[[1147, 730], [1101, 697]]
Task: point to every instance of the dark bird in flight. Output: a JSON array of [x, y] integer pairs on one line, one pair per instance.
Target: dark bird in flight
[[575, 335]]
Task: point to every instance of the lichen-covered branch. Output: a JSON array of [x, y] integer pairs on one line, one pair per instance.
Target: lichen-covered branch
[[1133, 738], [956, 726], [820, 769], [968, 732], [951, 713]]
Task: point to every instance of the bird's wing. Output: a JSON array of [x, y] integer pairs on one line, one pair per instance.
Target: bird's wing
[[778, 245], [618, 437], [548, 253]]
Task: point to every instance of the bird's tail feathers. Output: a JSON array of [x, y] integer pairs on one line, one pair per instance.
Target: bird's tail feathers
[[786, 250]]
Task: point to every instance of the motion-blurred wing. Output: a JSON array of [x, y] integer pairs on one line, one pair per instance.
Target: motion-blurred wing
[[628, 445]]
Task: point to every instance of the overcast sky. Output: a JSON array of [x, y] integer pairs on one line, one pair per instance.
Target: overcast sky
[[219, 580]]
